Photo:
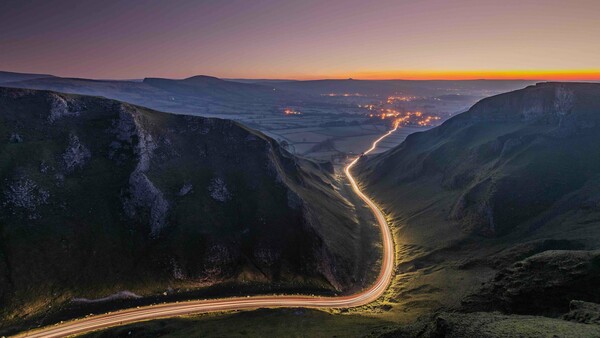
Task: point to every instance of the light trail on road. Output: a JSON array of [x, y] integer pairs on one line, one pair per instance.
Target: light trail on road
[[128, 316]]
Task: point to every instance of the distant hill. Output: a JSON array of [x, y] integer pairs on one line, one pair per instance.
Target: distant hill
[[110, 88], [100, 196], [198, 95], [516, 175], [390, 87], [509, 158], [264, 81], [6, 77], [208, 86], [206, 95]]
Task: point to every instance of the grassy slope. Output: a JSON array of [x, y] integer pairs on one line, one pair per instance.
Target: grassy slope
[[259, 323], [441, 261], [487, 189], [81, 244]]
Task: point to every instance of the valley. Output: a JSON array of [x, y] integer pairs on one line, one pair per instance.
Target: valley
[[333, 120], [496, 209], [453, 249], [461, 269], [167, 212], [285, 168]]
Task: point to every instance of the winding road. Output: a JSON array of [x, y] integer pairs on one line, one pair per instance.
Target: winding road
[[132, 315]]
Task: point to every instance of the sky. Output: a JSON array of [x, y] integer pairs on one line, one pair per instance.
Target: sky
[[303, 39]]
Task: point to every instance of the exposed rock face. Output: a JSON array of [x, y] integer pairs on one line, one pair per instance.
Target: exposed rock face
[[542, 284], [548, 103], [142, 192], [76, 154], [44, 167], [25, 194], [124, 127], [493, 325], [116, 296], [59, 108], [583, 312], [124, 130], [122, 195], [218, 190], [563, 100], [16, 138]]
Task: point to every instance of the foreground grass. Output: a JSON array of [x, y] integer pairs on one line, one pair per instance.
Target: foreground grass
[[259, 323]]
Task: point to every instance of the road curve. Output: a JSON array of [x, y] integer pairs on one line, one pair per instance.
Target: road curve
[[132, 315]]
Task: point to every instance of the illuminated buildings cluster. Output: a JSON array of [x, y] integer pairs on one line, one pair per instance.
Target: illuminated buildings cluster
[[394, 108], [343, 94], [390, 109], [392, 99], [368, 106], [290, 111], [406, 118]]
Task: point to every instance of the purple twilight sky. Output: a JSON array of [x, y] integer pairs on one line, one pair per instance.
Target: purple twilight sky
[[301, 39]]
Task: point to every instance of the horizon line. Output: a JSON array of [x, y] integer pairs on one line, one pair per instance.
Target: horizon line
[[574, 75]]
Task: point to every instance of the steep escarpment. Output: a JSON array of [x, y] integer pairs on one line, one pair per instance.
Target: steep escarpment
[[100, 197], [505, 161], [477, 198]]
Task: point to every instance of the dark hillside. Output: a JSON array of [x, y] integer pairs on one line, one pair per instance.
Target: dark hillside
[[475, 199], [100, 197]]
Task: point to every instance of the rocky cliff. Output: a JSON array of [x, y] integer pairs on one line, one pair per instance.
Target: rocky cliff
[[99, 197]]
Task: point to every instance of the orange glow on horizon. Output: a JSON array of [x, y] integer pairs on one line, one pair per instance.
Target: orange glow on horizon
[[542, 75]]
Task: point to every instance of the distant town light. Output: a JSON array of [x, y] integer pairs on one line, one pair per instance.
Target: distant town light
[[290, 111]]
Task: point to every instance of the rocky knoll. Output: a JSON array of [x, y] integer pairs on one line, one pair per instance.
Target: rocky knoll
[[543, 284]]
